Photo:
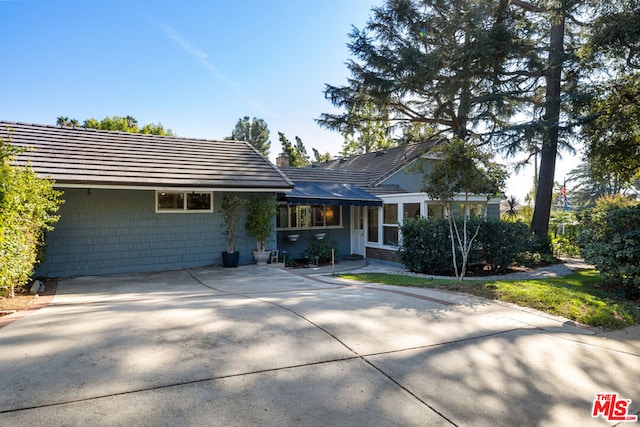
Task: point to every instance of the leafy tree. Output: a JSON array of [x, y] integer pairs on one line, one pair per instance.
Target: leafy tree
[[433, 61], [463, 170], [587, 188], [614, 38], [117, 123], [613, 135], [415, 132], [27, 209], [296, 154], [468, 68], [155, 129], [254, 131], [365, 132], [320, 158]]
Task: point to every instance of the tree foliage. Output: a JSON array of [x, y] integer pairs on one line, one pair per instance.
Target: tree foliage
[[116, 123], [365, 132], [255, 132], [494, 71], [612, 136], [296, 154], [435, 62], [463, 170], [614, 38], [587, 186], [27, 209]]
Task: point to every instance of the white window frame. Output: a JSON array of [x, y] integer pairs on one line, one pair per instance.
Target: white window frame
[[311, 227], [184, 202]]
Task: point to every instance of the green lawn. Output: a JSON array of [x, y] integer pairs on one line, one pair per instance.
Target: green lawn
[[579, 296]]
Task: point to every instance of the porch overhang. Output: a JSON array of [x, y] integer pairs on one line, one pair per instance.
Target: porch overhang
[[326, 193]]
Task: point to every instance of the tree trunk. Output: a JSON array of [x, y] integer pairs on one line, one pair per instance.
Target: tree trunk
[[544, 193]]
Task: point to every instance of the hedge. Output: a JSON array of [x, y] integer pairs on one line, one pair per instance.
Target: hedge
[[610, 239], [426, 245], [27, 209]]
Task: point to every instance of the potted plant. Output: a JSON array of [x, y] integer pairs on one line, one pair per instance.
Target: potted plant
[[260, 224], [232, 207]]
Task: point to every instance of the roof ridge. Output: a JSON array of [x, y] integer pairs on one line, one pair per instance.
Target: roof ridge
[[112, 132]]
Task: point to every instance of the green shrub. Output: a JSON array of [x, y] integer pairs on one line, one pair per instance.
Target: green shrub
[[564, 226], [322, 250], [27, 208], [426, 246], [610, 239], [502, 241]]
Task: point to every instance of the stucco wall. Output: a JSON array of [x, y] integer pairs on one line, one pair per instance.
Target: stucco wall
[[118, 231]]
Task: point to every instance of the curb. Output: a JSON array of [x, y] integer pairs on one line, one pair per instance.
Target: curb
[[44, 299]]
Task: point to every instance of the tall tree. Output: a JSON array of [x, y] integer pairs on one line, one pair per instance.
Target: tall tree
[[366, 131], [254, 131], [586, 186], [468, 68], [435, 62], [612, 134], [296, 154]]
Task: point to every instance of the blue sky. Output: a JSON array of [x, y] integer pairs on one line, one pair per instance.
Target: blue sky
[[194, 66]]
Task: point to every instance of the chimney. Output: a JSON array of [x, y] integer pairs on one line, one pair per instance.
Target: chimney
[[282, 160]]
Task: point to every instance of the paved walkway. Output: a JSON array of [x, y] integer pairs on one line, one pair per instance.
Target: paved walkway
[[264, 346]]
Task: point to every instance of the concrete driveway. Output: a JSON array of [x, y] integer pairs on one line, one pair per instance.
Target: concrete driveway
[[262, 346]]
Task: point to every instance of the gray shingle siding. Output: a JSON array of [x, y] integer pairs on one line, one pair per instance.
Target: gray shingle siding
[[118, 231]]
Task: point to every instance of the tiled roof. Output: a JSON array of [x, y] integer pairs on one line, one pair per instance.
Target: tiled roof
[[381, 164], [92, 157], [319, 174]]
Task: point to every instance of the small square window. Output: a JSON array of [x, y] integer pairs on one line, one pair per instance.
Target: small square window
[[168, 201], [198, 201]]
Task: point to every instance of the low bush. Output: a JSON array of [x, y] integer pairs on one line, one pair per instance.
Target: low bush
[[322, 250], [426, 244], [502, 241], [610, 240]]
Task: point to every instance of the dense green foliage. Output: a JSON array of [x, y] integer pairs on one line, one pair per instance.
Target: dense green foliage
[[27, 209], [610, 239], [322, 250], [261, 219], [502, 242], [231, 208], [255, 132], [463, 170], [116, 123], [612, 135], [426, 245], [295, 154]]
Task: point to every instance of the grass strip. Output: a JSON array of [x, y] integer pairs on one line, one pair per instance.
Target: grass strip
[[581, 296]]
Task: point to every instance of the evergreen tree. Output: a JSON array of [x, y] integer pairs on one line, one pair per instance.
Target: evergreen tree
[[254, 131]]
